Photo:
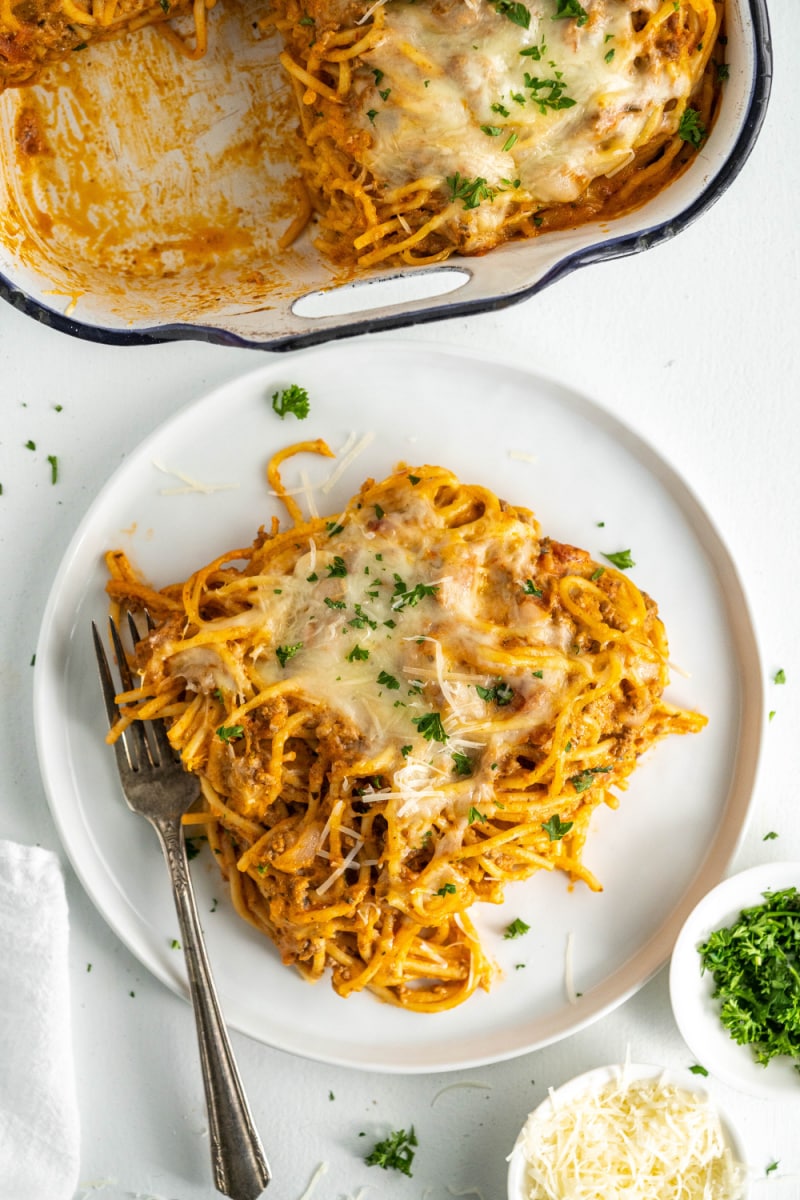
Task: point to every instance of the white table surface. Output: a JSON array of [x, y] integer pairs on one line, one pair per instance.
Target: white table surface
[[695, 344]]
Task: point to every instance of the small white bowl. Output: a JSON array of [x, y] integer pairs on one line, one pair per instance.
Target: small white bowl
[[697, 1013], [593, 1081]]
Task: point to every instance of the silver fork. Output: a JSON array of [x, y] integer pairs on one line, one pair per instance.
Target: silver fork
[[157, 787]]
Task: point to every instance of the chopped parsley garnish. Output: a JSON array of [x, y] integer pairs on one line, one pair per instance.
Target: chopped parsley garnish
[[284, 653], [333, 527], [334, 603], [53, 460], [548, 93], [723, 72], [389, 681], [571, 8], [516, 928], [430, 726], [403, 595], [357, 654], [610, 54], [414, 480], [312, 578], [515, 12], [175, 944], [538, 674], [698, 1070], [449, 889], [773, 1166], [555, 828], [501, 694], [337, 568], [691, 129], [509, 142], [30, 444], [779, 676], [537, 53], [292, 400], [462, 763], [595, 575], [530, 589], [372, 114], [406, 750], [165, 5], [378, 73], [360, 620], [754, 966], [475, 815], [306, 21], [501, 109], [491, 130], [230, 733], [586, 778], [470, 191], [379, 515], [620, 559]]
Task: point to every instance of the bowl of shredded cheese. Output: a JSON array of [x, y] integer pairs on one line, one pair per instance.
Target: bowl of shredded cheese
[[640, 1131]]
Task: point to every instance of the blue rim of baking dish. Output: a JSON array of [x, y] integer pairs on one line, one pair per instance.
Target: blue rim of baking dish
[[612, 248]]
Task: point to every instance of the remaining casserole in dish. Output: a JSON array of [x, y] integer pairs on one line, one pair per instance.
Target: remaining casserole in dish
[[148, 195]]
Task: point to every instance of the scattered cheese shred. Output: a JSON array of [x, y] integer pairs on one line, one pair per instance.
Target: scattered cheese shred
[[645, 1139], [191, 485], [349, 457], [314, 1180], [466, 1083], [569, 969], [520, 456]]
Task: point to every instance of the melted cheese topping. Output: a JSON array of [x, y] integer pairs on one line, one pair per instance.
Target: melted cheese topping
[[474, 95], [646, 1140]]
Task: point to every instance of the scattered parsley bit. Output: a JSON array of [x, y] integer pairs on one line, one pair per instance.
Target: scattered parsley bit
[[779, 676], [331, 1096], [306, 21], [334, 603], [414, 480], [132, 994], [462, 764], [548, 93], [510, 141], [516, 929], [470, 191], [88, 967], [491, 130], [571, 8], [192, 848], [30, 444], [431, 727], [515, 12], [586, 778], [361, 620], [53, 460], [33, 660], [723, 72], [292, 400], [389, 681], [537, 674], [771, 714], [475, 815], [537, 53], [501, 694], [230, 733], [332, 528], [769, 837], [175, 944], [620, 559], [555, 828], [379, 515], [501, 109], [214, 904], [357, 654], [753, 963], [406, 750], [284, 653], [337, 569], [372, 114], [449, 889], [610, 55], [395, 1152], [597, 573], [403, 595], [164, 5], [698, 1070], [385, 94], [312, 578], [378, 73], [530, 589], [691, 129], [773, 1166]]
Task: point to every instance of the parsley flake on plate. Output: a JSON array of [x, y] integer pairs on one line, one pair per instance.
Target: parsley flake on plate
[[292, 400]]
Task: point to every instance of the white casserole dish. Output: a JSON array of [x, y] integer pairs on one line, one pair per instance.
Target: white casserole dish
[[142, 197]]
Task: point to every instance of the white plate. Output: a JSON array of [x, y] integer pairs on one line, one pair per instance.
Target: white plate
[[591, 1081], [697, 1013], [423, 405]]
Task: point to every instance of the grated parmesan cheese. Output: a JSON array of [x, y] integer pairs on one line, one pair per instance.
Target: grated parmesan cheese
[[645, 1139]]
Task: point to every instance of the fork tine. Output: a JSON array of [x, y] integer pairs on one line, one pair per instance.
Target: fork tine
[[121, 748], [138, 746], [158, 742]]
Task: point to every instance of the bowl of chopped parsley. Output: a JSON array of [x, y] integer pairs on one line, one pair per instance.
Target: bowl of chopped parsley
[[735, 981]]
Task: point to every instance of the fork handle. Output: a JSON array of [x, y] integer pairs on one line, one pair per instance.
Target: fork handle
[[240, 1167]]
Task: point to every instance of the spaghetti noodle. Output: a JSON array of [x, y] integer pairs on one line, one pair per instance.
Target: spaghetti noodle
[[395, 712]]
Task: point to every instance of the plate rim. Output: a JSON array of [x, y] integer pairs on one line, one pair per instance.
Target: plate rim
[[609, 993]]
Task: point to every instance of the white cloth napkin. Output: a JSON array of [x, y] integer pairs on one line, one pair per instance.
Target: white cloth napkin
[[38, 1108]]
